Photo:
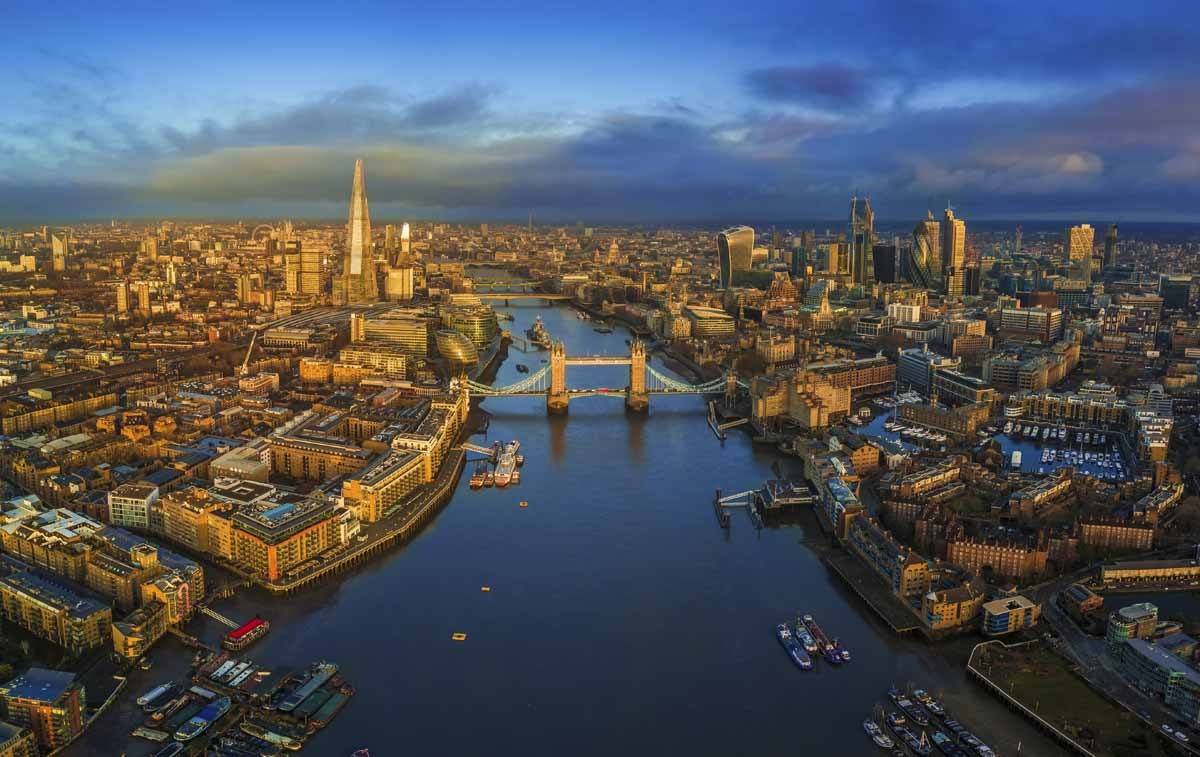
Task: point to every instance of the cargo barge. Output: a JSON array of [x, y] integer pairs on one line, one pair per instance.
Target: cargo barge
[[316, 677]]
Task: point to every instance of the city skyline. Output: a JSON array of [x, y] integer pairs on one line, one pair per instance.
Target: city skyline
[[616, 124]]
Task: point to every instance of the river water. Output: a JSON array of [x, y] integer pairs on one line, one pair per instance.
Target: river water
[[621, 618]]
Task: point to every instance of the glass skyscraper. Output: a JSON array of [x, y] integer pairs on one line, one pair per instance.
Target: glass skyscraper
[[735, 249]]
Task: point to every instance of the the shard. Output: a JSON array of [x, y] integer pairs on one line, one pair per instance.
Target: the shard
[[359, 283]]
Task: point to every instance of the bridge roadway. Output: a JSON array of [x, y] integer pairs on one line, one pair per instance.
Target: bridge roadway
[[521, 296], [601, 392], [597, 360]]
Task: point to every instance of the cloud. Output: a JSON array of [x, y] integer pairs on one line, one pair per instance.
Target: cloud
[[997, 107], [824, 85], [363, 114]]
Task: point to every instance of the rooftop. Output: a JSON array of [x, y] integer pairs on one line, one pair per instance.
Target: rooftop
[[38, 684], [1164, 659]]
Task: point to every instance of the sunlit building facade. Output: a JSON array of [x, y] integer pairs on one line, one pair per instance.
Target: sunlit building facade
[[735, 252]]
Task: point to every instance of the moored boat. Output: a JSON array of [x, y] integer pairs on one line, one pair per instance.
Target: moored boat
[[805, 638], [478, 476], [158, 691], [203, 720], [507, 464], [881, 739], [792, 646], [913, 711]]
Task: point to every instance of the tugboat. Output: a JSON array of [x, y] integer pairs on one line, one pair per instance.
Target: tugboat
[[478, 476]]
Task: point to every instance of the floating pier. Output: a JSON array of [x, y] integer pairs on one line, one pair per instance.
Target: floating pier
[[747, 500]]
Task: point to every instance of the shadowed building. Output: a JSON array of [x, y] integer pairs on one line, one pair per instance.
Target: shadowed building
[[862, 229], [1111, 247], [735, 249]]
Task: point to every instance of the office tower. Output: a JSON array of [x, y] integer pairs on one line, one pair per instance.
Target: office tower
[[954, 253], [359, 282], [312, 268], [1111, 249], [799, 262], [1077, 250], [862, 230], [143, 295], [735, 250], [150, 248], [1176, 291], [389, 238], [802, 253], [243, 288], [123, 297], [405, 241], [172, 274], [398, 287], [972, 280], [483, 229], [1017, 241], [292, 267], [61, 245], [885, 261], [837, 259], [924, 262]]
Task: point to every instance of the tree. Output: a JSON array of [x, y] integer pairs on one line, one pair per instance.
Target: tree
[[750, 363]]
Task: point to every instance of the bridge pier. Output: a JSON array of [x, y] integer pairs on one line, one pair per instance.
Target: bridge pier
[[636, 402], [556, 404]]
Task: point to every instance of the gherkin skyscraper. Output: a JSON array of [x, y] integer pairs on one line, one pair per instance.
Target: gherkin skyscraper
[[359, 283]]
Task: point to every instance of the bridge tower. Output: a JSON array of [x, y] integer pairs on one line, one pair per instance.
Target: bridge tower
[[556, 399], [636, 398], [731, 388]]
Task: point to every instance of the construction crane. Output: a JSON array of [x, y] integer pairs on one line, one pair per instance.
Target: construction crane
[[245, 369]]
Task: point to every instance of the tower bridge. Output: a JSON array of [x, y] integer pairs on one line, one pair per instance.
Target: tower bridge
[[644, 381]]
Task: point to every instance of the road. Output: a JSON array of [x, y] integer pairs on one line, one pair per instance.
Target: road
[[1099, 671]]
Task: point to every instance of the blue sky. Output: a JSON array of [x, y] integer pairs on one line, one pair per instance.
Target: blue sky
[[605, 112]]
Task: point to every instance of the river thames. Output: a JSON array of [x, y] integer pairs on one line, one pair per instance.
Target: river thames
[[621, 618]]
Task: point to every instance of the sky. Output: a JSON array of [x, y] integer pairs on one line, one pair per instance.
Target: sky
[[606, 112]]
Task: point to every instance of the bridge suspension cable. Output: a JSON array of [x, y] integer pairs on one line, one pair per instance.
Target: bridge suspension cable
[[534, 383], [539, 382], [659, 382]]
